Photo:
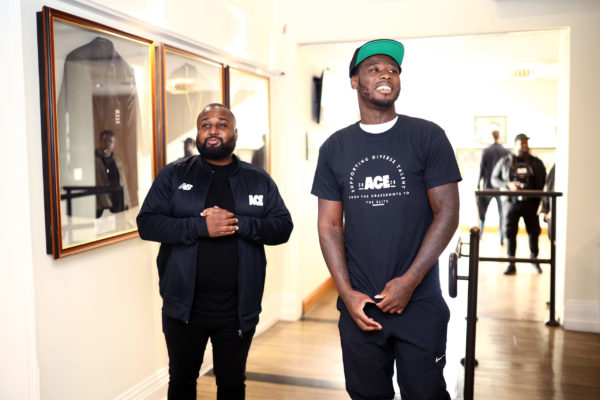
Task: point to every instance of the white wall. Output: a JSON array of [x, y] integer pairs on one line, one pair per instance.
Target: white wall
[[19, 373], [91, 322], [578, 243], [97, 313]]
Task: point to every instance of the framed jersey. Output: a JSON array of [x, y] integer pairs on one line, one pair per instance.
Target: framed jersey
[[97, 99]]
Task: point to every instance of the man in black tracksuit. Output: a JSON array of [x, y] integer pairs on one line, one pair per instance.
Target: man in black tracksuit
[[520, 172], [212, 214]]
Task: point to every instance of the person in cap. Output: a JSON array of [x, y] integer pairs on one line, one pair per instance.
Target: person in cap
[[489, 158], [388, 206], [514, 172]]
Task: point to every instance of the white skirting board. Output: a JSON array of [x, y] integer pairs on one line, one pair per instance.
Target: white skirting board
[[582, 315], [153, 387]]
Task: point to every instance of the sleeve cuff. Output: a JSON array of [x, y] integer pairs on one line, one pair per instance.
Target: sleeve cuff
[[243, 225], [201, 229]]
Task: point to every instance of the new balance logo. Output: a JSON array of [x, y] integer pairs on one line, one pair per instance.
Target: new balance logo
[[185, 186], [255, 200]]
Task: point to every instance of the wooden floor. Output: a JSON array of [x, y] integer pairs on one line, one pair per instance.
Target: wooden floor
[[519, 356]]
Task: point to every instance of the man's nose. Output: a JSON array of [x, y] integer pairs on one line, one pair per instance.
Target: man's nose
[[385, 74]]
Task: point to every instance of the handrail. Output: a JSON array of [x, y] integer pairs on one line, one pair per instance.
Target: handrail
[[469, 361], [452, 271], [552, 260], [73, 192], [512, 193], [453, 265]]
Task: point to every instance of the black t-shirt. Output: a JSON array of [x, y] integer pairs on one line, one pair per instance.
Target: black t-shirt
[[521, 170], [216, 290], [382, 181]]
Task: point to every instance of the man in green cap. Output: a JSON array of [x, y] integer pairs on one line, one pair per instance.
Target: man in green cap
[[388, 206]]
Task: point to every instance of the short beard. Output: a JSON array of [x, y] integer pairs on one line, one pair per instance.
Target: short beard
[[217, 152], [376, 102]]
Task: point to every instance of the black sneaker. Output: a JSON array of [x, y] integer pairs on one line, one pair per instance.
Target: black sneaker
[[510, 270], [536, 265]]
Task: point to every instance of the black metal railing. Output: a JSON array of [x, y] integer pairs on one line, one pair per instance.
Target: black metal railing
[[469, 361], [552, 260], [73, 192]]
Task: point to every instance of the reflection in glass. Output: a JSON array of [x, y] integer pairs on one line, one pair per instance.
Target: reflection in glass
[[191, 83], [249, 100], [104, 130]]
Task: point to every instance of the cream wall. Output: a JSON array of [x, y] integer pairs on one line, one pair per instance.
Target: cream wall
[[19, 373], [97, 313], [578, 241]]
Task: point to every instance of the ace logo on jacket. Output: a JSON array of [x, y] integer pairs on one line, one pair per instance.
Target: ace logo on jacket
[[255, 200]]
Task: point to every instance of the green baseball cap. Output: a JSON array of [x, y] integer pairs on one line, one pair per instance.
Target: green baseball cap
[[388, 47]]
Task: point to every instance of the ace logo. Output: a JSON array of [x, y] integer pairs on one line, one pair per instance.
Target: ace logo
[[377, 182], [255, 200]]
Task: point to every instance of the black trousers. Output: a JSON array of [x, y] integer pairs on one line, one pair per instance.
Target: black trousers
[[415, 340], [512, 213], [186, 344]]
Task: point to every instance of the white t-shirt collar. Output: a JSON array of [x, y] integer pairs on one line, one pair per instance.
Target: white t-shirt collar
[[378, 128]]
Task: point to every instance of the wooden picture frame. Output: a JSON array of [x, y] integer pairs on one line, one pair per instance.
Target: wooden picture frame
[[189, 82], [484, 125], [249, 100], [94, 80]]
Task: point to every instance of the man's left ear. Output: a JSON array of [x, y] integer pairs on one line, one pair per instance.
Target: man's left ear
[[235, 133]]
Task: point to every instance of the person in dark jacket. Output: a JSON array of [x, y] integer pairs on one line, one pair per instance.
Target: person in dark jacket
[[520, 172], [212, 214], [546, 208], [489, 158]]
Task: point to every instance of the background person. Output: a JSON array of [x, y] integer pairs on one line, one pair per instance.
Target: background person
[[212, 214], [388, 205], [489, 158], [514, 172], [110, 174], [546, 209], [189, 147]]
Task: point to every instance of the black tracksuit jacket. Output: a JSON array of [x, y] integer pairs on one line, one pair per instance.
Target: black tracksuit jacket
[[170, 215]]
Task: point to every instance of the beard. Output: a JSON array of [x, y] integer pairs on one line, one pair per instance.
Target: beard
[[219, 152], [385, 102]]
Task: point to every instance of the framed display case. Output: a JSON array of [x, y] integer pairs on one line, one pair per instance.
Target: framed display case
[[484, 126], [189, 82], [250, 103], [97, 105]]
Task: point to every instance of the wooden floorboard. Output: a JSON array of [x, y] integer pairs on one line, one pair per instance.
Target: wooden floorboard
[[519, 356]]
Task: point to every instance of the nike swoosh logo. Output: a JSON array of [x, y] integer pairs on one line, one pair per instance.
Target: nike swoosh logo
[[437, 359]]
